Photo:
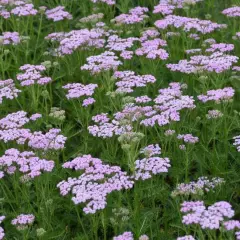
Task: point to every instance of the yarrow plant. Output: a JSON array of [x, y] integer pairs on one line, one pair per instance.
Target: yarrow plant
[[166, 7], [23, 221], [8, 90], [119, 119], [97, 182], [32, 74], [202, 185], [58, 14], [135, 15], [26, 162], [103, 62], [2, 234]]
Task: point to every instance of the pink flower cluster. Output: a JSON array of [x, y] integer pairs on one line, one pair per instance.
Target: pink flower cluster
[[152, 49], [22, 221], [32, 74], [51, 140], [219, 95], [188, 138], [166, 7], [203, 184], [78, 90], [128, 80], [208, 218], [95, 184], [83, 38], [188, 24], [187, 237], [108, 2], [115, 43], [10, 38], [124, 236], [8, 90], [152, 164], [135, 15], [168, 105], [105, 128], [2, 234], [214, 114], [237, 142], [11, 129], [25, 162], [232, 12], [217, 62], [23, 9], [148, 34], [104, 62], [221, 47], [129, 236], [57, 14], [14, 120]]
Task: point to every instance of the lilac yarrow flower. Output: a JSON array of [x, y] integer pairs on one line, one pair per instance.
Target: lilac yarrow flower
[[188, 24], [166, 7], [149, 34], [221, 47], [10, 38], [88, 101], [208, 218], [143, 99], [78, 90], [214, 114], [168, 105], [152, 49], [203, 184], [218, 95], [95, 184], [2, 233], [108, 2], [58, 13], [126, 55], [187, 237], [22, 221], [129, 236], [51, 140], [146, 167], [188, 138], [23, 9], [231, 225], [232, 11], [15, 120], [8, 90], [237, 142], [104, 62], [217, 62], [11, 129], [77, 39], [166, 108], [26, 163], [135, 15], [151, 150], [32, 74], [124, 236], [128, 80], [115, 43], [194, 36], [152, 164]]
